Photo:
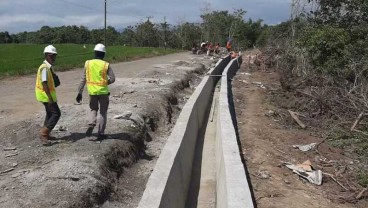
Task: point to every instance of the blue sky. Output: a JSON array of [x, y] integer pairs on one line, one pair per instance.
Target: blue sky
[[30, 15]]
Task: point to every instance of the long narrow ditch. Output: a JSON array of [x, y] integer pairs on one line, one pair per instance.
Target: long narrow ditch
[[121, 158], [202, 189], [200, 165]]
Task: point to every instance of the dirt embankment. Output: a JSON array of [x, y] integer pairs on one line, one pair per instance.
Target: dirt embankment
[[267, 134], [75, 172]]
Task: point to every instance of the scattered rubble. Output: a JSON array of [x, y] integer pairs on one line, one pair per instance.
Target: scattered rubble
[[305, 171], [307, 147]]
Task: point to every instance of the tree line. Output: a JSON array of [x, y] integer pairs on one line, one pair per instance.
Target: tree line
[[216, 27]]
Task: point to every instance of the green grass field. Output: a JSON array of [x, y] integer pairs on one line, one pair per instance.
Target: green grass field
[[20, 59]]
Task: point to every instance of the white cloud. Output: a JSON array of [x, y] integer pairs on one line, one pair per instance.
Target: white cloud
[[9, 20], [19, 15]]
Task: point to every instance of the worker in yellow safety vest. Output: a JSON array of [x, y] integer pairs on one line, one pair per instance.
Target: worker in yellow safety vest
[[46, 82], [97, 75]]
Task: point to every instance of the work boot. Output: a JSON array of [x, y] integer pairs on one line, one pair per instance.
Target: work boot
[[51, 137], [89, 130], [102, 136], [45, 136], [99, 138]]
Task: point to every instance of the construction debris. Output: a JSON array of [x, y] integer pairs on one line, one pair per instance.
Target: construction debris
[[307, 147], [305, 171]]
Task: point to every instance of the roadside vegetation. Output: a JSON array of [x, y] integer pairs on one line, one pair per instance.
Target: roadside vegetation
[[322, 57], [21, 53], [216, 27], [20, 59]]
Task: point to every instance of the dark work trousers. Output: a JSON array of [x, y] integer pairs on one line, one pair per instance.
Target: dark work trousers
[[96, 102], [52, 115]]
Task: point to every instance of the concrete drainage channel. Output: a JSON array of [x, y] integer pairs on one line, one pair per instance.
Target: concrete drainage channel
[[183, 175]]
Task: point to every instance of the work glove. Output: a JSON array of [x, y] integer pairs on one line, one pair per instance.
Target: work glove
[[79, 98]]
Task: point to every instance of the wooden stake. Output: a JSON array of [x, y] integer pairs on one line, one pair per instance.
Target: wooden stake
[[357, 121], [296, 119], [361, 193], [334, 179]]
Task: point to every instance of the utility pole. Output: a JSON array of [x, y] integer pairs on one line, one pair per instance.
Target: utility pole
[[165, 25], [105, 24]]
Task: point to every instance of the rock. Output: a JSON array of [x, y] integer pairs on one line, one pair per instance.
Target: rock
[[264, 174], [15, 175], [270, 113], [135, 106], [60, 128], [125, 116], [9, 148], [137, 119]]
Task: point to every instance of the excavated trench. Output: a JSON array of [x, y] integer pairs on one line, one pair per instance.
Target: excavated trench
[[155, 120]]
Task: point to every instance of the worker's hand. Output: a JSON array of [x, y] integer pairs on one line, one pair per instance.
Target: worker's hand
[[79, 98]]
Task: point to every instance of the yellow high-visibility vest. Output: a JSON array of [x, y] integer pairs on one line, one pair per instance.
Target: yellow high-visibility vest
[[96, 77], [40, 93]]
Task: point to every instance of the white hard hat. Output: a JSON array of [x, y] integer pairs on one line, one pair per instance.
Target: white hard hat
[[50, 49], [100, 47]]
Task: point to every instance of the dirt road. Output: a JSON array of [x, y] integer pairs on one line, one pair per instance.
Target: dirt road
[[18, 99], [76, 172]]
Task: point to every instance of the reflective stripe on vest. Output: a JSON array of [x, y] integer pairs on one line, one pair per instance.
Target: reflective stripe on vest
[[40, 93], [96, 77]]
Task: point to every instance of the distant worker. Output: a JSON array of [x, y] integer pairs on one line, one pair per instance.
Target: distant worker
[[217, 48], [228, 46], [46, 82], [97, 75], [210, 47], [203, 47]]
